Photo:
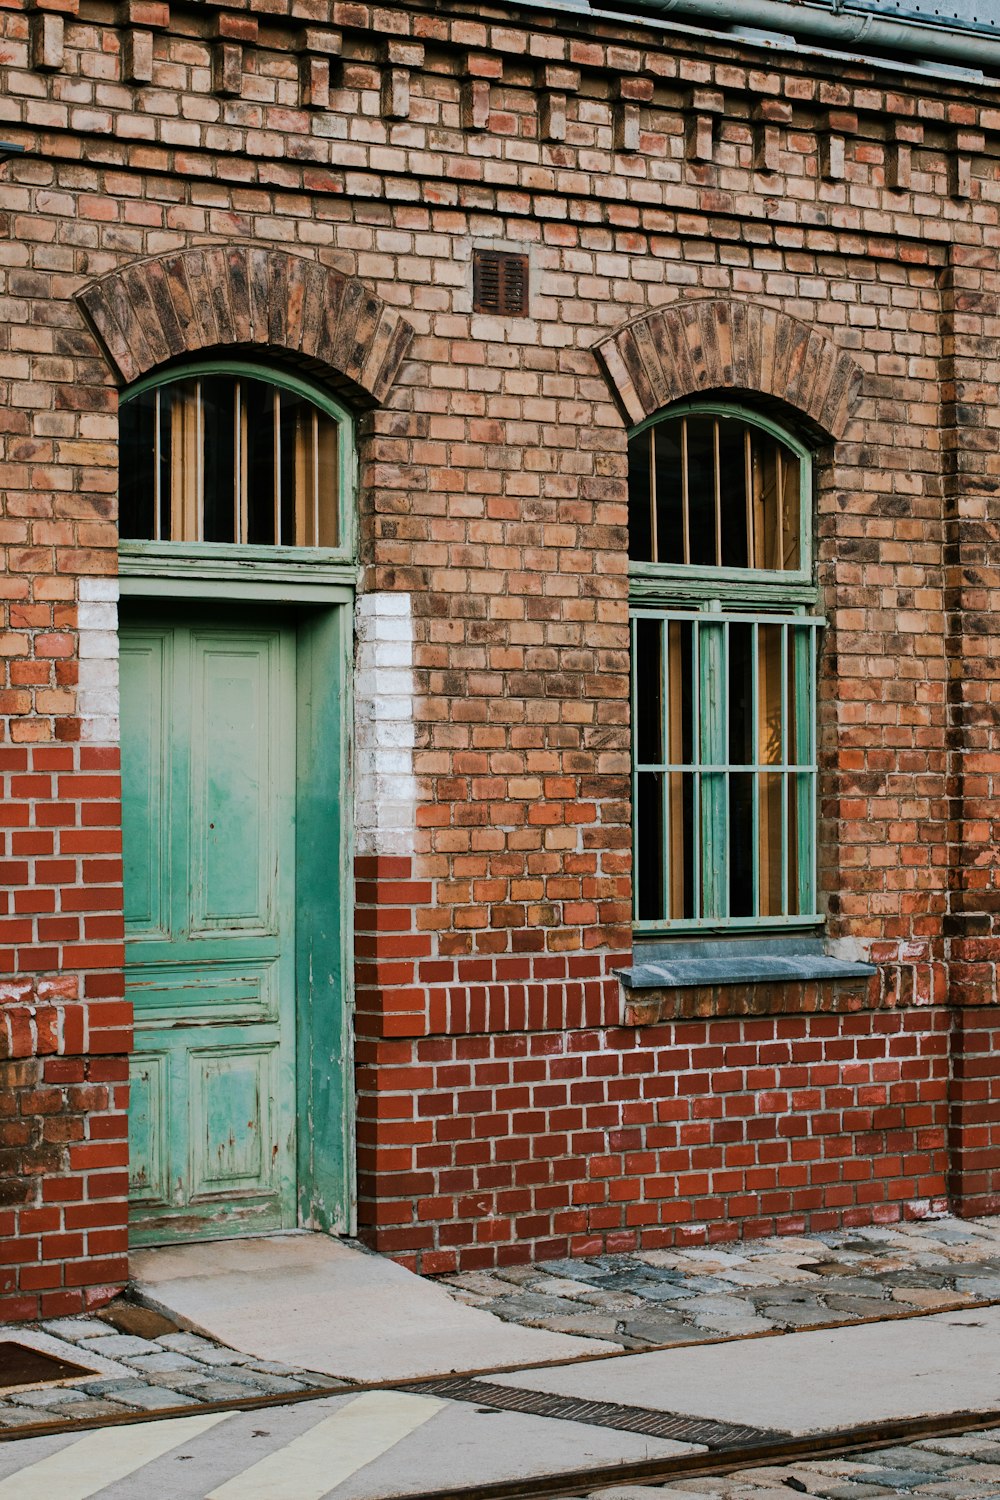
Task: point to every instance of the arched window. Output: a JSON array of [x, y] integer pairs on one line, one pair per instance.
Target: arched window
[[232, 453], [723, 664]]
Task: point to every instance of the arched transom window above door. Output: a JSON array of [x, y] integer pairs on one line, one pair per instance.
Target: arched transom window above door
[[226, 453]]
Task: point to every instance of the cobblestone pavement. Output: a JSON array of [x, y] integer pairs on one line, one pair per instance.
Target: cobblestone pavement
[[954, 1468], [160, 1367], [685, 1296]]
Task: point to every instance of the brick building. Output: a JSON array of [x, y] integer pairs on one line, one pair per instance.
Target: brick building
[[536, 473]]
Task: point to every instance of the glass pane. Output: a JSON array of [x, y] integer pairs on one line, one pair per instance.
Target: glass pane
[[260, 475], [701, 489], [776, 506], [733, 494], [790, 511], [222, 508], [640, 525], [669, 537], [181, 415], [327, 480], [793, 845], [741, 851], [649, 845], [137, 467], [649, 691], [770, 750], [771, 791], [741, 694], [681, 844], [680, 678]]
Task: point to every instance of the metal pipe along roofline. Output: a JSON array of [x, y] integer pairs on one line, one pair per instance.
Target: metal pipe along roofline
[[845, 28]]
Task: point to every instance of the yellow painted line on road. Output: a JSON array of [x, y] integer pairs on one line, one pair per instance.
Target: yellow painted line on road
[[89, 1465], [313, 1464]]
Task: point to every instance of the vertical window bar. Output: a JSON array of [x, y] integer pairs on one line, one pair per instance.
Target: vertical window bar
[[712, 755], [636, 894], [684, 489], [697, 874], [314, 539], [718, 495], [199, 427], [804, 648], [666, 792], [276, 416], [242, 520], [783, 669], [748, 465], [727, 801], [755, 753], [157, 485], [653, 530], [779, 508]]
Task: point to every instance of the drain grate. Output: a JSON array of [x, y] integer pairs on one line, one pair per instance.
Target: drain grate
[[21, 1365], [661, 1424]]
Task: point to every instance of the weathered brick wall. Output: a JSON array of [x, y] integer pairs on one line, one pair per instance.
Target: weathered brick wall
[[503, 1106]]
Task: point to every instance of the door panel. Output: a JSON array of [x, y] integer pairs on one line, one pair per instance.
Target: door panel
[[145, 670], [208, 750]]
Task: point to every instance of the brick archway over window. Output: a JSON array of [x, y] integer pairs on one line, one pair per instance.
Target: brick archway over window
[[220, 296], [709, 345]]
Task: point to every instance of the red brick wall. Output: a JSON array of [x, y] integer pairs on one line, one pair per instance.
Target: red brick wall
[[503, 1107]]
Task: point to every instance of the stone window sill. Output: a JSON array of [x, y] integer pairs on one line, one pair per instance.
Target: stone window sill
[[739, 976]]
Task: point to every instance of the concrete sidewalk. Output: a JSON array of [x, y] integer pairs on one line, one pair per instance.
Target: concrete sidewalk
[[316, 1303]]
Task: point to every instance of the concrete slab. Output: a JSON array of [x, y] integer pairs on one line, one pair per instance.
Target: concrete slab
[[319, 1304], [380, 1445], [803, 1383]]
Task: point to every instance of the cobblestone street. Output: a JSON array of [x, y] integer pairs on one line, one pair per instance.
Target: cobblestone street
[[958, 1468], [680, 1296]]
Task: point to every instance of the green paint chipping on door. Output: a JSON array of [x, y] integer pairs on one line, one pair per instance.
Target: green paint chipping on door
[[209, 765]]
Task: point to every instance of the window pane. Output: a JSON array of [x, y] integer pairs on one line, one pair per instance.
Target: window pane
[[741, 844], [669, 493], [680, 676], [701, 489], [735, 550], [327, 480], [640, 478], [223, 505], [741, 694], [649, 691], [648, 814], [681, 845], [771, 792], [770, 750], [137, 463], [260, 475], [181, 415]]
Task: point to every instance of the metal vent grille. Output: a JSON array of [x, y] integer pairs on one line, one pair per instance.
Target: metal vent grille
[[661, 1424], [500, 283]]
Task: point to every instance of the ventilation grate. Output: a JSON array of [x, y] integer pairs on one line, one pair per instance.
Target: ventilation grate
[[660, 1424], [500, 283]]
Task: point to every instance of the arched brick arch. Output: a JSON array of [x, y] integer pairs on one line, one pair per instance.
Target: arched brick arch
[[223, 295], [706, 345]]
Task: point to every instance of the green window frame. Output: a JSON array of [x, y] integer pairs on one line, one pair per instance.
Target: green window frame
[[724, 766]]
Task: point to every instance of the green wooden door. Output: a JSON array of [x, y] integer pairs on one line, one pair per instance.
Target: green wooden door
[[208, 755]]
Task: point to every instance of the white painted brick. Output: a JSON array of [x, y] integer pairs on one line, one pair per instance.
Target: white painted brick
[[100, 643], [386, 789], [99, 590]]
